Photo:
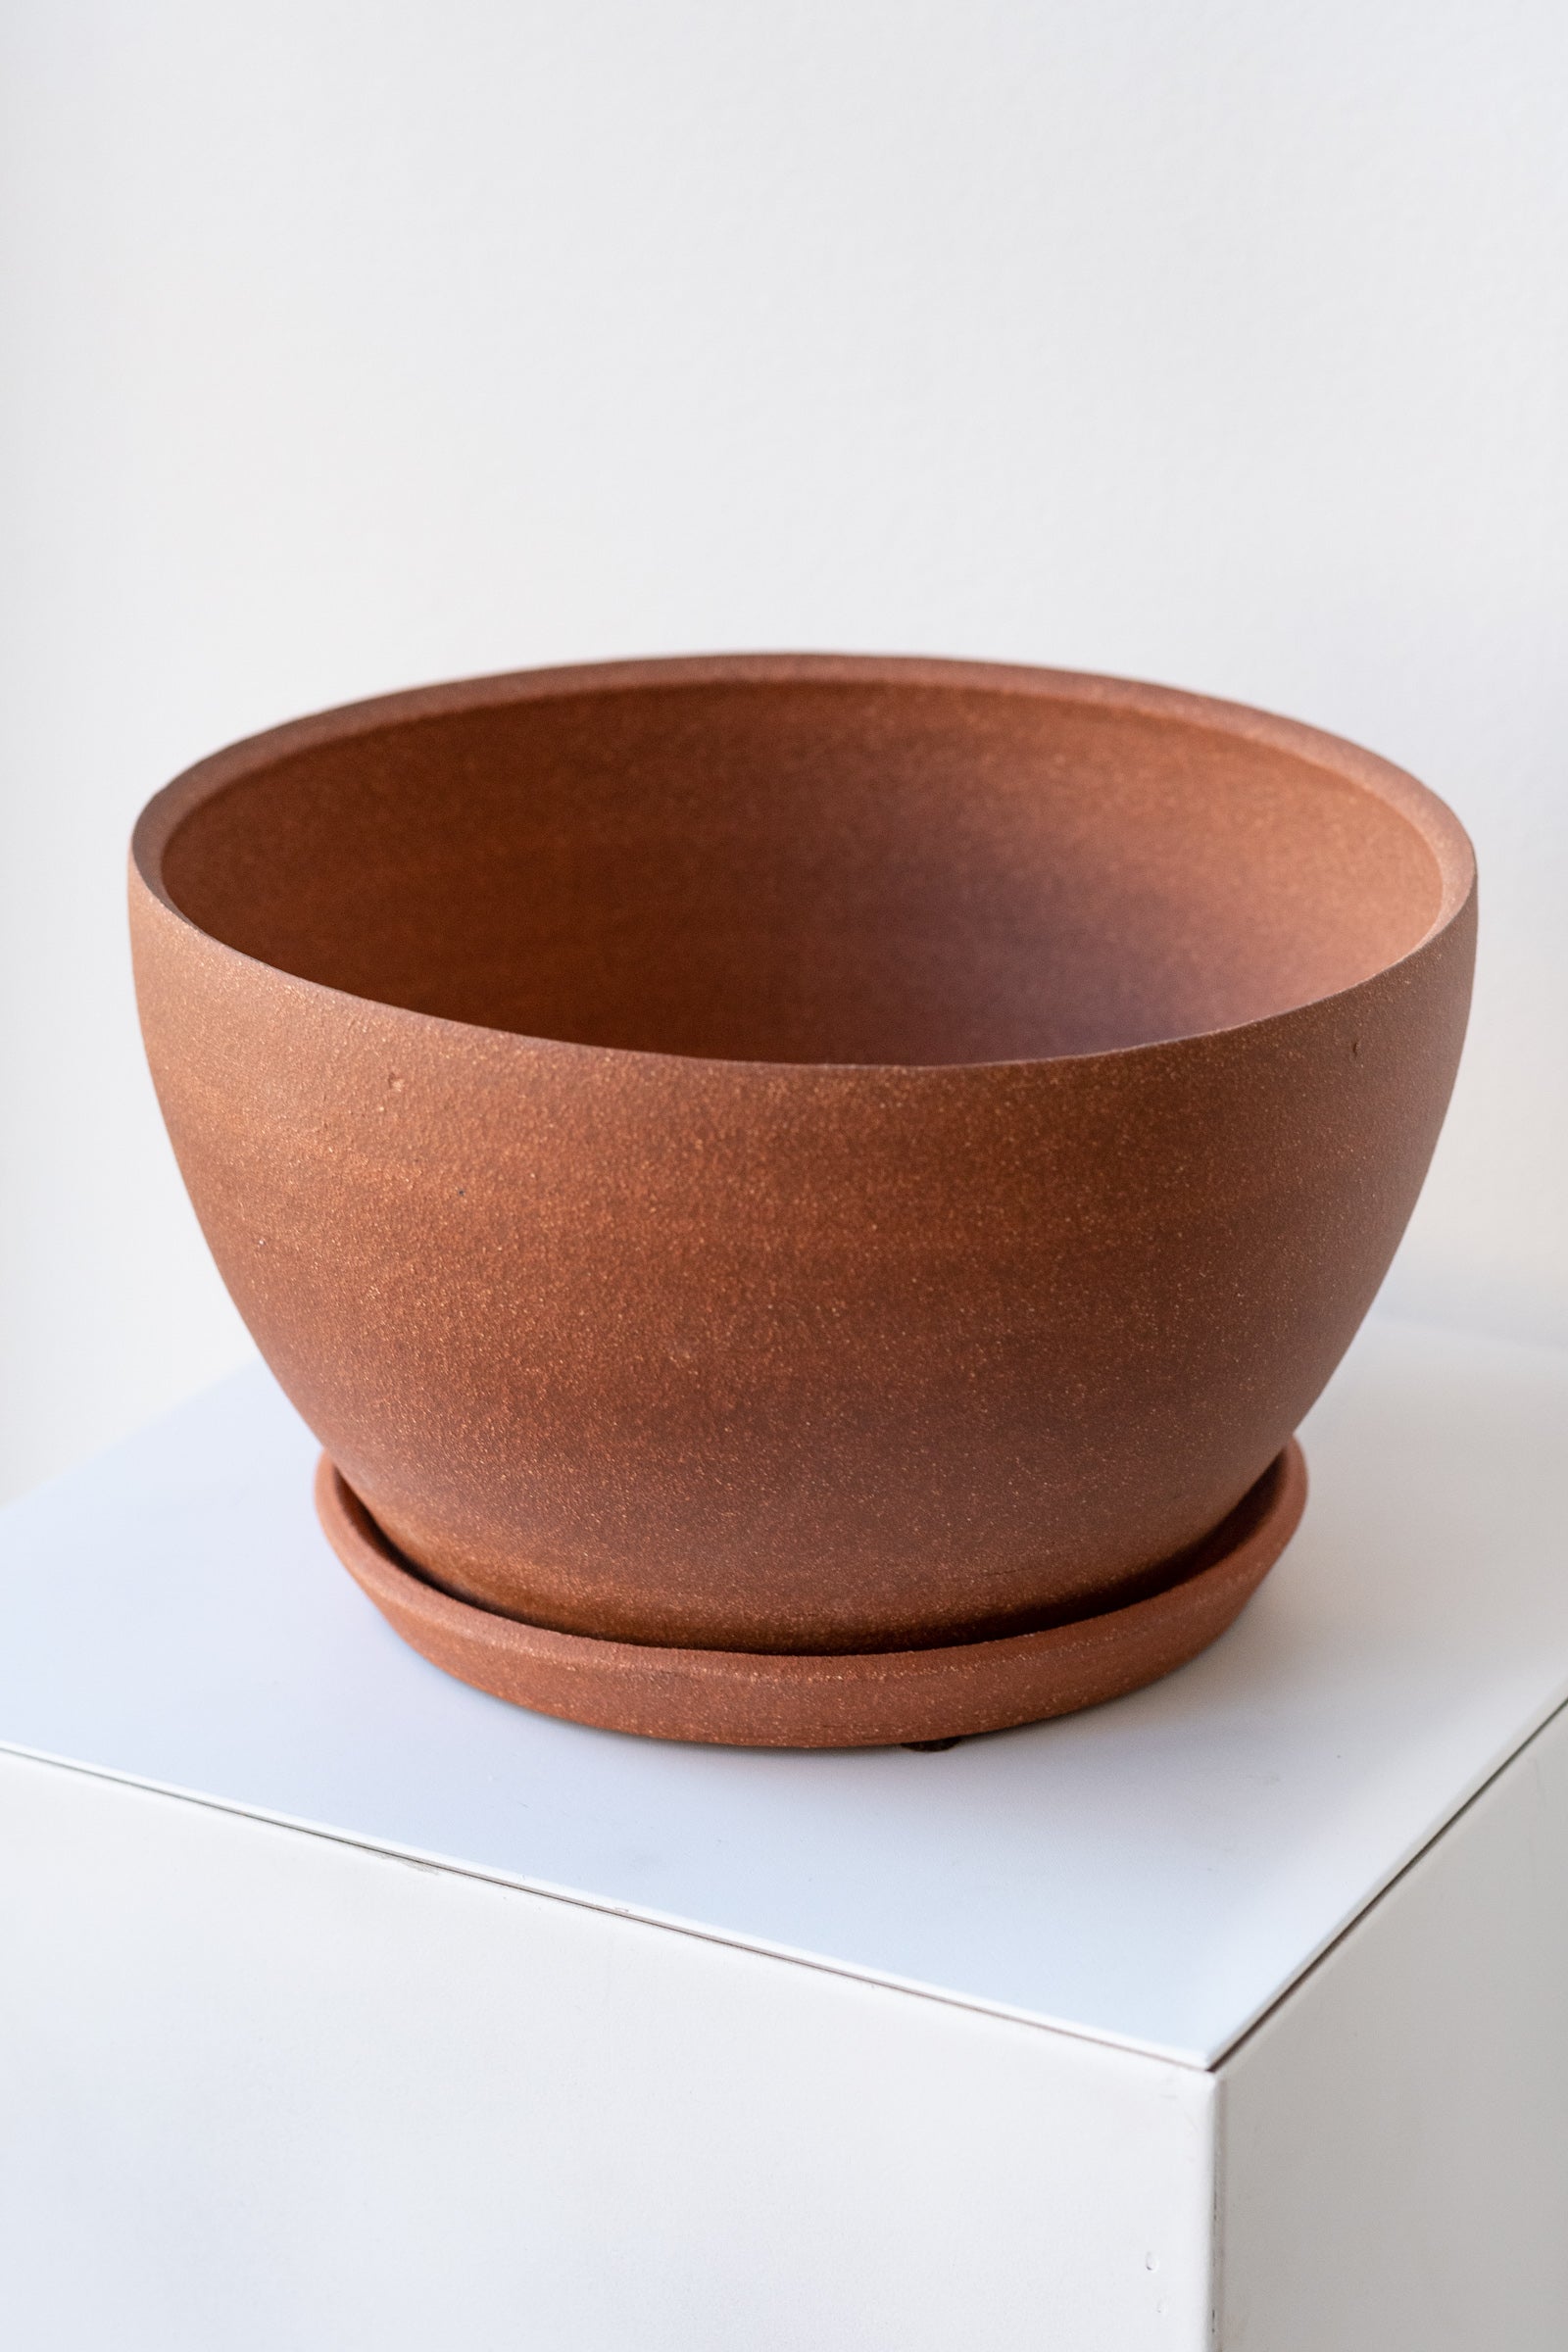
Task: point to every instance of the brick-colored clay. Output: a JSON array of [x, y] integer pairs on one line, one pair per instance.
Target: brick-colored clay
[[804, 1160]]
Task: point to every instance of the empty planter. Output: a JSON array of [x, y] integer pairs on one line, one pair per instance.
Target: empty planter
[[803, 1197]]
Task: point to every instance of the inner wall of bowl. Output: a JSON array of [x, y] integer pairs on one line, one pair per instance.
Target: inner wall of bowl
[[826, 871]]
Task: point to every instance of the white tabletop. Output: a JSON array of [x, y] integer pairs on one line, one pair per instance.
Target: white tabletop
[[1153, 1873]]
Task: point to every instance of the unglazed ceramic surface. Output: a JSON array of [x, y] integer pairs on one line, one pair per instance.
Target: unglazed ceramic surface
[[862, 1699], [801, 1154]]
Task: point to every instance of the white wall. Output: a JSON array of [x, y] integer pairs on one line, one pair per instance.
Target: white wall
[[349, 345]]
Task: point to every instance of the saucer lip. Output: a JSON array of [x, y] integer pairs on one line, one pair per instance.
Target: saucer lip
[[1423, 811], [757, 1698]]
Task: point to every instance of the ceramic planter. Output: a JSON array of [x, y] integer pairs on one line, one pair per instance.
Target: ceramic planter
[[803, 1198]]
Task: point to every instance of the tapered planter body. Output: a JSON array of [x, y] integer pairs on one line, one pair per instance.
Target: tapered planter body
[[800, 1155]]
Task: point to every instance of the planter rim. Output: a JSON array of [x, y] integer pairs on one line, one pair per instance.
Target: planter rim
[[1428, 816]]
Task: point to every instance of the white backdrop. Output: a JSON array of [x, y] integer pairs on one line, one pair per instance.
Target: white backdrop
[[350, 343]]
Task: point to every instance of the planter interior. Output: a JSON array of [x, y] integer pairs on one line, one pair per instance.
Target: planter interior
[[811, 871]]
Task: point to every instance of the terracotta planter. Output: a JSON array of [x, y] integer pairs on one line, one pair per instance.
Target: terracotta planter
[[803, 1198]]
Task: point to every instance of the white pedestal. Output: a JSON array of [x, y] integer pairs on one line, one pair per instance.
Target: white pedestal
[[341, 2005]]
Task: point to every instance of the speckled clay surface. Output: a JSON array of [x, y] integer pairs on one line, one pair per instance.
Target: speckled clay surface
[[758, 1698], [799, 1155]]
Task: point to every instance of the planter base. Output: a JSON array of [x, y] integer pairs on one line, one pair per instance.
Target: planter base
[[748, 1698]]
